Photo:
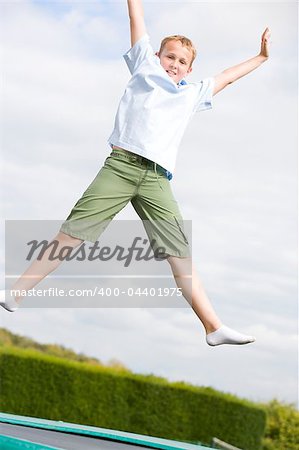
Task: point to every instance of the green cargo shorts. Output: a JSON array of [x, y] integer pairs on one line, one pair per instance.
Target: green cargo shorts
[[126, 177]]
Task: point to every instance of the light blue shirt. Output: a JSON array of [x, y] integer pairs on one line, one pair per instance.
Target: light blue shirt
[[154, 111]]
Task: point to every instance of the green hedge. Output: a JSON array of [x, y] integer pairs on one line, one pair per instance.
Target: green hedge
[[282, 430], [38, 385]]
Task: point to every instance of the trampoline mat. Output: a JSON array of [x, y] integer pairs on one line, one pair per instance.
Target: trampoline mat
[[67, 441]]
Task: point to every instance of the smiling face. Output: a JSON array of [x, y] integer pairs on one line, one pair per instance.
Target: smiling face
[[176, 60]]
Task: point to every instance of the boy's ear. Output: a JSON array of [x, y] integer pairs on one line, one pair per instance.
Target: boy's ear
[[189, 70]]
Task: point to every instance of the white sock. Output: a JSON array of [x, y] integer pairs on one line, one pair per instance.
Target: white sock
[[7, 301], [226, 335]]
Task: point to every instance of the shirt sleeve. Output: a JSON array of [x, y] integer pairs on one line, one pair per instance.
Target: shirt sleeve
[[140, 51], [204, 95]]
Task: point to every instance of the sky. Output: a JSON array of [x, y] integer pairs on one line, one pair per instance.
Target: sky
[[236, 178]]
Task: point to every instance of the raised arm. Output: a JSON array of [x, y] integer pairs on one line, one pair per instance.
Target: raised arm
[[137, 24], [232, 74]]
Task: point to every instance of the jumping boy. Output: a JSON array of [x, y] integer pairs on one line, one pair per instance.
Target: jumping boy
[[152, 116]]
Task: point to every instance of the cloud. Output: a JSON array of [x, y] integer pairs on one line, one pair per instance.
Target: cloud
[[65, 103]]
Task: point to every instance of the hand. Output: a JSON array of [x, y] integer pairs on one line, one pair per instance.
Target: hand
[[265, 43]]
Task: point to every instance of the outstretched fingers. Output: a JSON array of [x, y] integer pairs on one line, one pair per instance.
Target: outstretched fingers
[[265, 42]]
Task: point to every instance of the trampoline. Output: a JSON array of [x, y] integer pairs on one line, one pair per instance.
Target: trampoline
[[30, 433]]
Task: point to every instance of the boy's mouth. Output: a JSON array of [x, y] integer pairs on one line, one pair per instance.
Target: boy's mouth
[[171, 72]]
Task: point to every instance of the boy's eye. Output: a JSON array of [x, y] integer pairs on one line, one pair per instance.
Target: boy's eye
[[183, 62]]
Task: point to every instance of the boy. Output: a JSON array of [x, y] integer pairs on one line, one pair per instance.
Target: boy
[[151, 118]]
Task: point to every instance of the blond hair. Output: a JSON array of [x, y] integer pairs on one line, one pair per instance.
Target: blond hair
[[184, 41]]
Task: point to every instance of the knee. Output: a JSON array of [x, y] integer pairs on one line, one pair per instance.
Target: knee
[[67, 240], [180, 265], [172, 260]]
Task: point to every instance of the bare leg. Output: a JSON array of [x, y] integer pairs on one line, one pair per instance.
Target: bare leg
[[38, 270], [187, 279]]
